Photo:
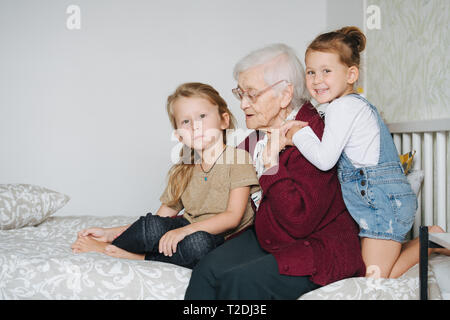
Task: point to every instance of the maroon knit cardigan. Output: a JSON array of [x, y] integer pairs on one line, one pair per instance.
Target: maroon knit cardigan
[[302, 219]]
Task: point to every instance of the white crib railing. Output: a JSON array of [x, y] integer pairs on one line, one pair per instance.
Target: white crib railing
[[431, 141]]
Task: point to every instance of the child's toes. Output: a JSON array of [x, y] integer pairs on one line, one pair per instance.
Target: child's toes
[[75, 248]]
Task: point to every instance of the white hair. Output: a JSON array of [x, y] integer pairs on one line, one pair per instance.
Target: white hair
[[287, 66]]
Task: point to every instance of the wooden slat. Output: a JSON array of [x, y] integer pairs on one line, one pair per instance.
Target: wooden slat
[[398, 142], [420, 126], [417, 165], [427, 191], [441, 180], [406, 142]]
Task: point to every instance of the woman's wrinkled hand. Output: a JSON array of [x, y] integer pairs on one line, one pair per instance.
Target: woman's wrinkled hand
[[278, 139], [275, 143]]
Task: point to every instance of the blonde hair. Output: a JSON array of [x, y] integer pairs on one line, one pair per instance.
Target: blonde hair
[[347, 42], [181, 173]]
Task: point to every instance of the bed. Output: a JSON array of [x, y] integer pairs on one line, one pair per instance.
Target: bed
[[36, 261]]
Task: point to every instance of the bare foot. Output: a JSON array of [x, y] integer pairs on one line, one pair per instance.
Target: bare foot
[[443, 251], [103, 234], [88, 244], [437, 229], [113, 251]]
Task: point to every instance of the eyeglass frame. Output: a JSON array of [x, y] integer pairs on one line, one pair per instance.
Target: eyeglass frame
[[241, 94]]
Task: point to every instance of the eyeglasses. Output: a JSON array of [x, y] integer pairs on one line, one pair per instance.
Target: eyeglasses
[[241, 94]]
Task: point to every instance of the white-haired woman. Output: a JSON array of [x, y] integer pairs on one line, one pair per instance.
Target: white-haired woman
[[303, 236]]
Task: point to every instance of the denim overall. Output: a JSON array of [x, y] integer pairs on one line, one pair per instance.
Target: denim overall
[[379, 198]]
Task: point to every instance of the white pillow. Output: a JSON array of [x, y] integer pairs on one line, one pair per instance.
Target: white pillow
[[27, 205], [415, 178]]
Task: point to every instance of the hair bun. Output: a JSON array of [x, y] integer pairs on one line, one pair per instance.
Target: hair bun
[[355, 35]]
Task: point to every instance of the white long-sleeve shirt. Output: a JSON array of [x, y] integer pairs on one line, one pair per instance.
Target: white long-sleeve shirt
[[350, 127]]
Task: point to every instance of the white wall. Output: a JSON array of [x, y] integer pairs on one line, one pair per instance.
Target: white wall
[[83, 111], [341, 13]]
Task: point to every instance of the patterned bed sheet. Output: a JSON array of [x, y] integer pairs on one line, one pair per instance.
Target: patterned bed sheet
[[38, 263]]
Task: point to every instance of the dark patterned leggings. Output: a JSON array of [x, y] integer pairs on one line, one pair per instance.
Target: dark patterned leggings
[[143, 236]]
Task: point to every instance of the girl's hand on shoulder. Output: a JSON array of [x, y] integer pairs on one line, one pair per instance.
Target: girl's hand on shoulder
[[278, 139], [169, 241], [290, 128]]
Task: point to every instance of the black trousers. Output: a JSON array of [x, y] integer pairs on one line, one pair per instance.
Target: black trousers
[[241, 269], [143, 236]]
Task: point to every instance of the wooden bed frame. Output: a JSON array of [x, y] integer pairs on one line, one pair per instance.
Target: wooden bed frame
[[430, 139]]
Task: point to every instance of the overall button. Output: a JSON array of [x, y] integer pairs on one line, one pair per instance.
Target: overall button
[[361, 172], [363, 193], [306, 243], [268, 241], [286, 268], [363, 183]]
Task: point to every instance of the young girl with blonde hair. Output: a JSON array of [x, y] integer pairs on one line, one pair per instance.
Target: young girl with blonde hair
[[211, 183], [374, 186]]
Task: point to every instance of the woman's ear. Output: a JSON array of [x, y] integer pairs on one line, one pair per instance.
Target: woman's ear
[[286, 96], [352, 75], [225, 121]]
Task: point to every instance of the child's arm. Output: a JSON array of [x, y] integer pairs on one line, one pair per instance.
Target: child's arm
[[224, 221], [165, 211], [323, 153], [291, 128]]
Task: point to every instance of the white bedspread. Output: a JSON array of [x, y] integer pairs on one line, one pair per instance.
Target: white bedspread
[[37, 263]]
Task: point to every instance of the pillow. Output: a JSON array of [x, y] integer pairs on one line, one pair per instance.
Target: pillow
[[24, 205], [415, 178]]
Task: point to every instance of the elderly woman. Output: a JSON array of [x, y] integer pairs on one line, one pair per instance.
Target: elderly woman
[[303, 236]]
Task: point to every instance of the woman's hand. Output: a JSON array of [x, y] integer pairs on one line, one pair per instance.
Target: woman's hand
[[276, 142], [278, 139], [169, 241], [272, 149]]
